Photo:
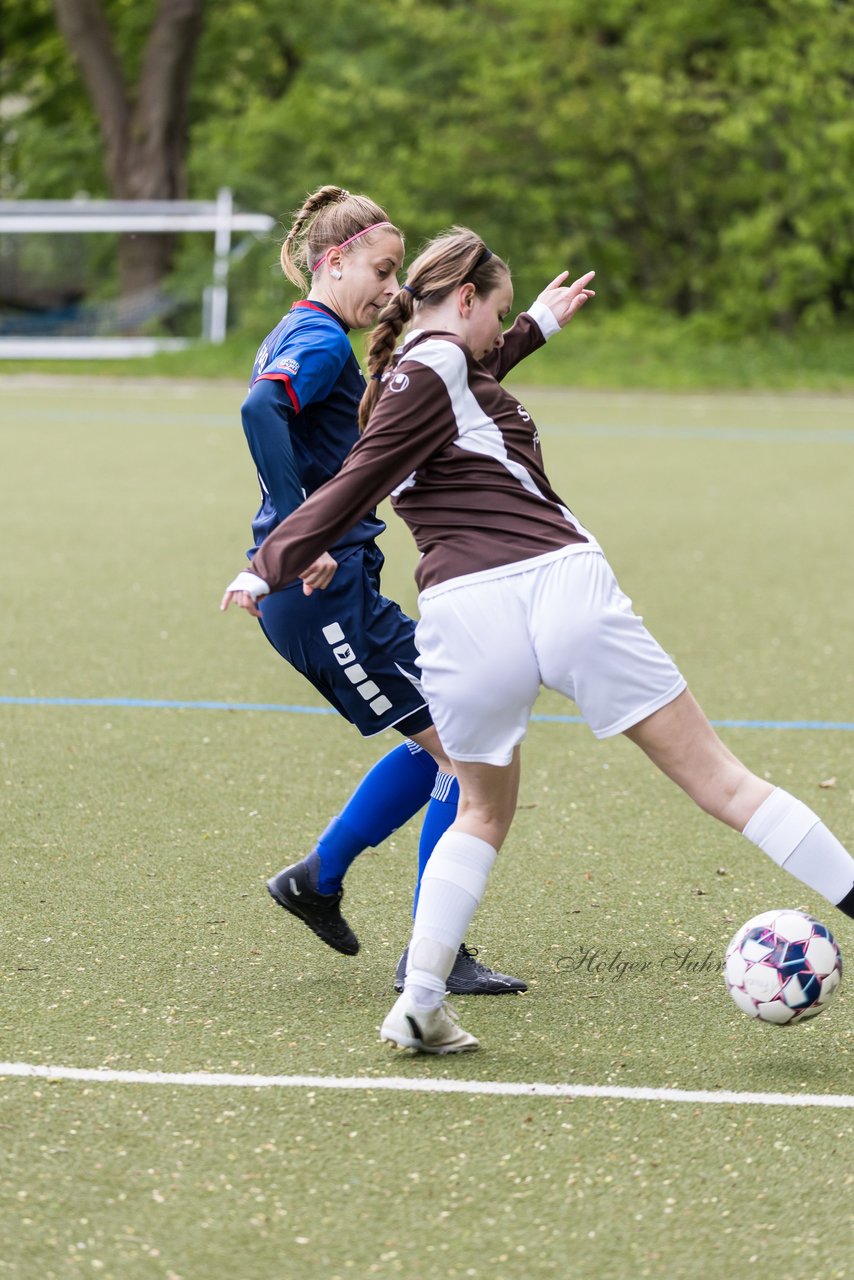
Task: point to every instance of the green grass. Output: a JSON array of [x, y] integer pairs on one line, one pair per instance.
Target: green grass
[[136, 933], [645, 350], [627, 350]]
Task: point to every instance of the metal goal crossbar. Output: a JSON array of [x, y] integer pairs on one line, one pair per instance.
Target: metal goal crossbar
[[128, 216]]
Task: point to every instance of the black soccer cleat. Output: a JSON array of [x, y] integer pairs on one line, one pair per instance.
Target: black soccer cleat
[[469, 977], [293, 889]]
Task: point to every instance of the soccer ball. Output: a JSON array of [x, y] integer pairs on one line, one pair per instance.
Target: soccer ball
[[783, 967]]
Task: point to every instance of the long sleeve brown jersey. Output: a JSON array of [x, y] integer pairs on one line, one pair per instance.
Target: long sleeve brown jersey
[[460, 458]]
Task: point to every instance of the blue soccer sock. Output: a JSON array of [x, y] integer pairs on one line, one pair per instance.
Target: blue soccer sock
[[441, 812], [389, 795]]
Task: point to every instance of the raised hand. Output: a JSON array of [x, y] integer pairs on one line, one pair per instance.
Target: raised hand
[[565, 300]]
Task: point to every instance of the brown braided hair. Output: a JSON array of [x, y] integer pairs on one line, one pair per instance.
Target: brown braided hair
[[327, 218], [446, 262]]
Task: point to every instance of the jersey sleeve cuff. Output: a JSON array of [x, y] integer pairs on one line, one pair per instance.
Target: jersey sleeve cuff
[[544, 319]]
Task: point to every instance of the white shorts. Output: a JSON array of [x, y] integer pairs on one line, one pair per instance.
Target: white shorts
[[488, 642]]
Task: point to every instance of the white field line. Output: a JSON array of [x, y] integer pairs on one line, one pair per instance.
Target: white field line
[[370, 1084]]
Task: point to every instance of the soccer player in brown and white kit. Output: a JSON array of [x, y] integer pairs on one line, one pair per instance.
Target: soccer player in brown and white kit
[[355, 645], [515, 594]]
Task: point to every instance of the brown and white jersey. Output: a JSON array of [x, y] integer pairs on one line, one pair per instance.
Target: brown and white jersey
[[460, 458]]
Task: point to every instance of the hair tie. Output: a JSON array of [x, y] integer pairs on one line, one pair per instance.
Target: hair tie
[[483, 257], [376, 377], [407, 288]]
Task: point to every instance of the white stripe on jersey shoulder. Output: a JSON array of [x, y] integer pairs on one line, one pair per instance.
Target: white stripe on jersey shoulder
[[447, 361], [444, 358], [476, 431]]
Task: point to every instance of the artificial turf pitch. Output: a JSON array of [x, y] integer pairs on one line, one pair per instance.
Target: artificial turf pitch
[[139, 825]]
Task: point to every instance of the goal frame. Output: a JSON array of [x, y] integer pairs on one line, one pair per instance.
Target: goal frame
[[150, 216]]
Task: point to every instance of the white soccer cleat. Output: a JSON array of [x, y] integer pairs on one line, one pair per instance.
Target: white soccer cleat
[[425, 1030]]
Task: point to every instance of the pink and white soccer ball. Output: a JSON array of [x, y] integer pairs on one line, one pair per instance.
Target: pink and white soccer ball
[[783, 967]]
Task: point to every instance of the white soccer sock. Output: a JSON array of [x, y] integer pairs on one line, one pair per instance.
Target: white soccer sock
[[452, 885], [798, 841]]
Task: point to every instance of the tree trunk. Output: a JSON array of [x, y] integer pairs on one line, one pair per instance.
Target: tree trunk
[[144, 127]]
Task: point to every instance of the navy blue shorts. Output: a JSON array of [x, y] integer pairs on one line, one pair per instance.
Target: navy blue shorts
[[355, 646]]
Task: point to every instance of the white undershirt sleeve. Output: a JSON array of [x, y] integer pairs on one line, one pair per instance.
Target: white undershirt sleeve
[[544, 319]]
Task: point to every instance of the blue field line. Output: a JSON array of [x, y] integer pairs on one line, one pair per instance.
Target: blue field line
[[754, 435], [173, 704], [840, 725], [177, 415], [170, 704]]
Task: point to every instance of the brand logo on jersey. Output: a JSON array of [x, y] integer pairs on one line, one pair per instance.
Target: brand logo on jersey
[[288, 364], [399, 382]]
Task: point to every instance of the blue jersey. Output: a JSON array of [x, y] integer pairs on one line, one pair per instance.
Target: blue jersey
[[300, 417]]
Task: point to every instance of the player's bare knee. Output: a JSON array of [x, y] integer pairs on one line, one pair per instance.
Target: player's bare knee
[[490, 822]]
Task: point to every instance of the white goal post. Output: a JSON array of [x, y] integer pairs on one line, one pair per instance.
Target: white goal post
[[76, 216]]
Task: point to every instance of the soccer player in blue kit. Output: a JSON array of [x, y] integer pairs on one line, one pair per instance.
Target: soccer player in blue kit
[[356, 647]]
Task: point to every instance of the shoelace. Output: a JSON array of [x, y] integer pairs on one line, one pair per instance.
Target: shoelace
[[471, 953]]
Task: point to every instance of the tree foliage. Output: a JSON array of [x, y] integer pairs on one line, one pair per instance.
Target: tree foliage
[[135, 69], [697, 153]]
